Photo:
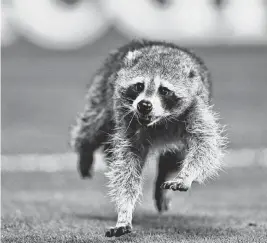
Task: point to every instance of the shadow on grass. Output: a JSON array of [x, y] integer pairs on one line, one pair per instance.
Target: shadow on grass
[[182, 225]]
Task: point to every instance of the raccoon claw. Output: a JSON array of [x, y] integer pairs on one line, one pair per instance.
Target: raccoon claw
[[175, 185], [118, 231]]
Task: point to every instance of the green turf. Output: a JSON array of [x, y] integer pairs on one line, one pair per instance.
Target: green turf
[[59, 207], [43, 90]]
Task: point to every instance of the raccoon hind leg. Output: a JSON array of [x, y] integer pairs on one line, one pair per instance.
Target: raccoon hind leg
[[87, 137], [86, 155]]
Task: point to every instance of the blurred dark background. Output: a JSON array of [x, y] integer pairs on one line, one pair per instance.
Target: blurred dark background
[[44, 75]]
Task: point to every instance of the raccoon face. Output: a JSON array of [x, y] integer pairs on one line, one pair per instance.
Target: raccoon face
[[153, 94], [152, 100]]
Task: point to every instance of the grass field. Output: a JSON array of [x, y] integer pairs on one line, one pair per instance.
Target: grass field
[[43, 90], [59, 207]]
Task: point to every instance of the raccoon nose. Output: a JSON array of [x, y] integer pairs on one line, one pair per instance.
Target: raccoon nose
[[144, 107]]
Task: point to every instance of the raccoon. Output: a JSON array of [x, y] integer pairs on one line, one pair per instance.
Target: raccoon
[[149, 97]]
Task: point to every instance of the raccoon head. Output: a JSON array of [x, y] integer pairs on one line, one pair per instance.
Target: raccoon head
[[156, 88]]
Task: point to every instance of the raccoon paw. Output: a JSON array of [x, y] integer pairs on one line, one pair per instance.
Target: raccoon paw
[[163, 203], [178, 185], [85, 162], [118, 231], [85, 173]]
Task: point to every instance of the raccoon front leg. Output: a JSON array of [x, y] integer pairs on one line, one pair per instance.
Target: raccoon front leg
[[169, 163], [125, 181], [205, 148]]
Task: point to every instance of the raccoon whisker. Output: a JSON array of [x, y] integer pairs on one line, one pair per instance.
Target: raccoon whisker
[[130, 122], [153, 122], [149, 141], [137, 118], [128, 113], [170, 119], [106, 132], [173, 118], [124, 107], [139, 121], [125, 99], [134, 134], [165, 122]]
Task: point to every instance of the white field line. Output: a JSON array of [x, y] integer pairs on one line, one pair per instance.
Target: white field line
[[67, 161]]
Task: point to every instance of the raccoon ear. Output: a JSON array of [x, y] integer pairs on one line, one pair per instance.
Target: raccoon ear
[[132, 57]]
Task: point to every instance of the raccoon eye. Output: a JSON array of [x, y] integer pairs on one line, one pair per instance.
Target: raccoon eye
[[164, 91], [139, 87]]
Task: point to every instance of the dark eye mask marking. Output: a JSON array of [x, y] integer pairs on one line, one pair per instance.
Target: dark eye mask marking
[[171, 101], [130, 94]]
